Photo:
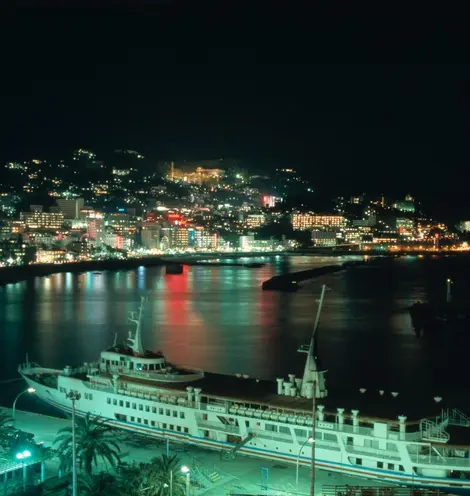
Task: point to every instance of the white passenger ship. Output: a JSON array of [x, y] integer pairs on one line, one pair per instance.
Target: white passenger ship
[[378, 437]]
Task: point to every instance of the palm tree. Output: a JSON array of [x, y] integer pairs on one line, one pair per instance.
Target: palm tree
[[6, 431], [156, 477], [94, 440], [102, 484]]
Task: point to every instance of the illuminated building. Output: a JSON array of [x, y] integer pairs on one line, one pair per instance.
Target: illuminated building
[[269, 201], [406, 205], [42, 220], [255, 220], [204, 239], [121, 172], [195, 174], [249, 243], [307, 221], [324, 238], [70, 207], [122, 223], [96, 228], [9, 228], [405, 226], [150, 235], [50, 256], [16, 250]]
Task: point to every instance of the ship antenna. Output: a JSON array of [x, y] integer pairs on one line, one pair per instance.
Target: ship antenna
[[311, 372], [115, 340], [136, 318]]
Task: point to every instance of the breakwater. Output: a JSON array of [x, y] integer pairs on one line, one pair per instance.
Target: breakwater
[[21, 273], [290, 282]]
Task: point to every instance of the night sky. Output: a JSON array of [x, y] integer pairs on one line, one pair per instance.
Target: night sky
[[355, 99]]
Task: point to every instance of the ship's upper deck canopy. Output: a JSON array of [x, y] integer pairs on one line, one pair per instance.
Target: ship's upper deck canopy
[[126, 352]]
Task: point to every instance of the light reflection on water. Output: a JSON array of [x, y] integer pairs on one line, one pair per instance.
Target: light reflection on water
[[219, 319]]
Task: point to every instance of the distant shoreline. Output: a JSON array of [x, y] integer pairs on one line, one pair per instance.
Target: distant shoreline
[[9, 275]]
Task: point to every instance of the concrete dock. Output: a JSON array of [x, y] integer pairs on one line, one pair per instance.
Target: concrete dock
[[243, 475]]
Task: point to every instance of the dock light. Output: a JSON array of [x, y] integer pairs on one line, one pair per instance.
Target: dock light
[[186, 470], [24, 454], [31, 390]]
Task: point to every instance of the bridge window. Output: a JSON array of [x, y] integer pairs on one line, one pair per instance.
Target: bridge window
[[358, 461], [134, 406], [108, 401], [154, 409], [380, 464], [401, 468], [152, 423], [160, 411], [175, 413], [271, 427], [390, 466], [182, 415], [121, 403], [115, 402], [300, 433], [128, 405], [167, 412], [151, 366], [141, 407], [284, 430], [332, 438]]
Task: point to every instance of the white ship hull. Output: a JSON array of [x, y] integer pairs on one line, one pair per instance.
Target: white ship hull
[[213, 427]]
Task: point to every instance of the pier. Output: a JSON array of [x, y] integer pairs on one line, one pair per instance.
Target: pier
[[290, 282], [214, 475]]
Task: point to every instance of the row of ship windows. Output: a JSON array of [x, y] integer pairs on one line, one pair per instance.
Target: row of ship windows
[[152, 423], [146, 408], [332, 438], [390, 466], [87, 396], [138, 366]]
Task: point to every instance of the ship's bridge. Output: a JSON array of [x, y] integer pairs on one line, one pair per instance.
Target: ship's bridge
[[125, 358]]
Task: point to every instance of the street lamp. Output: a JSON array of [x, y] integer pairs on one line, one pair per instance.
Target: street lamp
[[186, 470], [30, 390], [74, 397], [308, 440], [21, 457]]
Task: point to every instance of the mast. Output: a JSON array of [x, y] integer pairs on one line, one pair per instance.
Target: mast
[[449, 294], [136, 318], [311, 372]]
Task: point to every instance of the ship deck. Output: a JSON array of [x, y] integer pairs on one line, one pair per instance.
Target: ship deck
[[371, 405]]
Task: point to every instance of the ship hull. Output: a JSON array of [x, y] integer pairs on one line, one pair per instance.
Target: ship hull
[[327, 460]]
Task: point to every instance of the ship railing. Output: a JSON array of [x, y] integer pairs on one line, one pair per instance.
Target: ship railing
[[218, 427], [458, 418], [273, 436], [449, 461], [328, 445], [366, 450]]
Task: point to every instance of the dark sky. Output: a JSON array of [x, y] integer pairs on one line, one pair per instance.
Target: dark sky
[[360, 98]]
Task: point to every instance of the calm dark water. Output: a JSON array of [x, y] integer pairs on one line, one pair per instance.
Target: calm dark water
[[217, 318]]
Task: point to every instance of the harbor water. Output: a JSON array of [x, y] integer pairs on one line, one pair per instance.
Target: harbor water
[[218, 318]]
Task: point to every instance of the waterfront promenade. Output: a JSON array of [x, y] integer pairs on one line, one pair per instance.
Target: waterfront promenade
[[243, 475]]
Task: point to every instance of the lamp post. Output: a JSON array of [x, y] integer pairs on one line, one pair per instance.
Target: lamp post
[[20, 457], [314, 424], [186, 470], [308, 440], [74, 397], [30, 391]]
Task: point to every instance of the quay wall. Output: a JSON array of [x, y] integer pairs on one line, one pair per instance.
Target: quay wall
[[304, 275]]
